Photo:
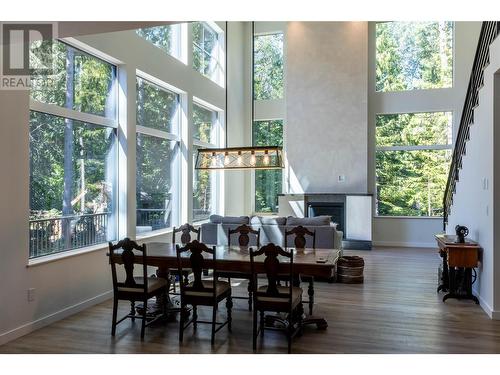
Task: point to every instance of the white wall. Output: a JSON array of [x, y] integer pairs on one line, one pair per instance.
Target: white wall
[[474, 203], [326, 104], [68, 285], [417, 231]]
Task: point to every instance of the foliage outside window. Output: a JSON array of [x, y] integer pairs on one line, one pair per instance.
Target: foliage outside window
[[72, 162], [156, 156], [167, 38], [414, 55], [205, 134], [413, 155], [268, 66], [207, 51], [268, 183]]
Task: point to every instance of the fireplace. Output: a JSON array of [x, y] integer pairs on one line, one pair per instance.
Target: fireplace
[[334, 209]]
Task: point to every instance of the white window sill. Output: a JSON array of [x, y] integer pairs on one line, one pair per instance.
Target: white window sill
[[155, 233], [66, 254], [409, 217]]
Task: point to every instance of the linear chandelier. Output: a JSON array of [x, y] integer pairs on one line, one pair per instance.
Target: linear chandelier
[[253, 157]]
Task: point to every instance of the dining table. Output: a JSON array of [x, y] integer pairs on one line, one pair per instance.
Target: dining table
[[314, 263]]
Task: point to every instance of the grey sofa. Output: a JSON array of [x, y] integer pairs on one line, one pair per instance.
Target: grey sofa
[[272, 229]]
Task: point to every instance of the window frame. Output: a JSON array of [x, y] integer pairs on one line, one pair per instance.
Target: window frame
[[174, 136], [429, 147], [177, 40], [268, 33], [253, 185], [92, 119], [215, 176], [453, 65], [219, 68]]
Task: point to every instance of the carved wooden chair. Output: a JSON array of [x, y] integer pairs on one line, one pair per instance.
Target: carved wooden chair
[[300, 241], [186, 231], [244, 232], [133, 288], [273, 297], [202, 292]]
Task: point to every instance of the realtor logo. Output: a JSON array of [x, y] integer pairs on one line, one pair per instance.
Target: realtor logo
[[26, 50]]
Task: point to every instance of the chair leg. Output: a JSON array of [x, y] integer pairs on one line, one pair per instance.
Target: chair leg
[[132, 310], [310, 292], [172, 281], [262, 321], [144, 314], [250, 288], [229, 306], [115, 311], [214, 321], [181, 323], [195, 317], [255, 333]]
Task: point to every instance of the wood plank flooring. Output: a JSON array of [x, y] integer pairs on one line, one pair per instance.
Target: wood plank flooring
[[396, 310]]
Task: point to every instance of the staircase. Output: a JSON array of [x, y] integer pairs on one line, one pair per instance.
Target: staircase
[[489, 31]]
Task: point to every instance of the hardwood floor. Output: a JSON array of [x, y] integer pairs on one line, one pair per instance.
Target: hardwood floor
[[396, 310]]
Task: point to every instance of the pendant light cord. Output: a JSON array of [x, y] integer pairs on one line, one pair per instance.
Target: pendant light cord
[[225, 81], [252, 99]]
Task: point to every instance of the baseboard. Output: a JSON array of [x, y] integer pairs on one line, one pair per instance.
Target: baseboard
[[493, 314], [49, 319], [405, 244]]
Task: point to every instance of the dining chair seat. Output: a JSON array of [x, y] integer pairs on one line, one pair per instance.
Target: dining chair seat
[[154, 283], [279, 303], [221, 288]]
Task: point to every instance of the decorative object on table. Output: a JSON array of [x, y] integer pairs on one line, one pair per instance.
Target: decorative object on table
[[350, 270], [253, 157], [461, 232]]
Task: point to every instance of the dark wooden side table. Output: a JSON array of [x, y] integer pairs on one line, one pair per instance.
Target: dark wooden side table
[[458, 261]]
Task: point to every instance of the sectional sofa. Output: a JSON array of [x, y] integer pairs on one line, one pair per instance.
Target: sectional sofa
[[272, 229]]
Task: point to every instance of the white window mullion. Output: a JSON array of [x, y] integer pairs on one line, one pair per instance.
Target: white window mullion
[[55, 110]]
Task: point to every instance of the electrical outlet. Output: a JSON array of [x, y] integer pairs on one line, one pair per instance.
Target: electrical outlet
[[341, 178], [31, 294]]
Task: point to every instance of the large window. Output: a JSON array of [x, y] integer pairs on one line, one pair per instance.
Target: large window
[[268, 67], [157, 172], [73, 155], [168, 38], [207, 51], [413, 153], [414, 55], [268, 183], [206, 134]]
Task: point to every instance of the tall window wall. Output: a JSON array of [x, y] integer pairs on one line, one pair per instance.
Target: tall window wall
[[157, 156], [76, 141], [268, 86], [73, 153], [208, 50], [206, 134], [413, 149]]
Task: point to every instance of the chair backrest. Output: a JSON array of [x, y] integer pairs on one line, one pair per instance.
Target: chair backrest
[[128, 258], [300, 234], [273, 271], [186, 230], [197, 263], [244, 239]]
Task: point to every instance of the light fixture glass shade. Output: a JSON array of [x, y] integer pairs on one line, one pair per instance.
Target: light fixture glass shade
[[266, 157]]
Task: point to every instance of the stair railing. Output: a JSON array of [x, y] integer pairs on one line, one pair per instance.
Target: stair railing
[[489, 31]]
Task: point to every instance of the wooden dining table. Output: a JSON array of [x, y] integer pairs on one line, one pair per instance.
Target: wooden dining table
[[318, 263]]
